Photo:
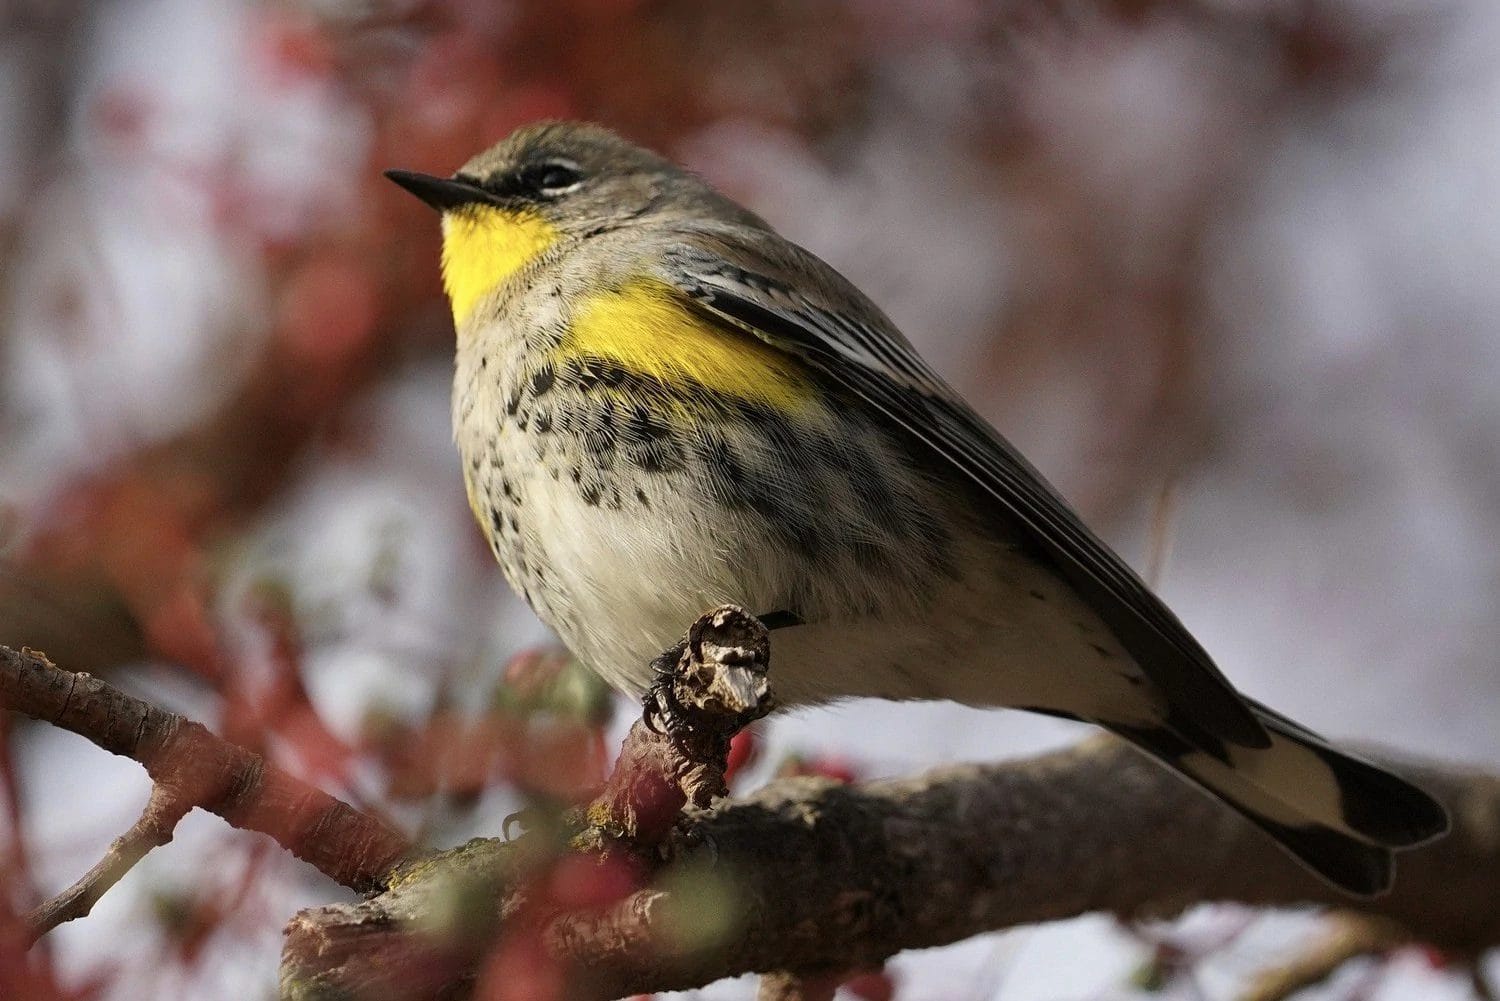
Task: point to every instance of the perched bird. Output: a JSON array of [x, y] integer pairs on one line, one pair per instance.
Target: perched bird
[[662, 405]]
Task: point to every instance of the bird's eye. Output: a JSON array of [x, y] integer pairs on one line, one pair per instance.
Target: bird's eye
[[551, 178]]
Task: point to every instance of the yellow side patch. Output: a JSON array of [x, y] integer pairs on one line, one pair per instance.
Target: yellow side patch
[[647, 328], [483, 246]]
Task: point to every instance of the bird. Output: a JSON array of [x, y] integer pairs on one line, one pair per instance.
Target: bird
[[662, 405]]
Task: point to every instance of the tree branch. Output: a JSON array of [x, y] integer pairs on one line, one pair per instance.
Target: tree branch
[[191, 767], [807, 877], [819, 877]]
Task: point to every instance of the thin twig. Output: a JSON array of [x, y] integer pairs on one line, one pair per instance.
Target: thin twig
[[154, 829], [1163, 518]]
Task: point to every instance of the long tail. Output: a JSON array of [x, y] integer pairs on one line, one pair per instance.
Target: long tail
[[1341, 816]]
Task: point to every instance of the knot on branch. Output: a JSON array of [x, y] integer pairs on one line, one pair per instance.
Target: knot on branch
[[719, 681], [708, 688]]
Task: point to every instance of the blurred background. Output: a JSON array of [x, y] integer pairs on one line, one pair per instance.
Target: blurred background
[[1225, 269]]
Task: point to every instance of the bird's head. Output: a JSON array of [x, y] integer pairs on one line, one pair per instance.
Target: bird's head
[[545, 184]]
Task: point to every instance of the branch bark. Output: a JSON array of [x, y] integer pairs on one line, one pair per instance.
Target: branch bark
[[191, 767], [810, 876]]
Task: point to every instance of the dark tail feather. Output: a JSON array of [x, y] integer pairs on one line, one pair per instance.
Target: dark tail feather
[[1375, 804], [1341, 816]]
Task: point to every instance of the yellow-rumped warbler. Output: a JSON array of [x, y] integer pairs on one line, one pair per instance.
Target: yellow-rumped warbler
[[663, 406]]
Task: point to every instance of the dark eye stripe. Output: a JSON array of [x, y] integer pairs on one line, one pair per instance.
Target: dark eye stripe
[[550, 177], [555, 175], [540, 180]]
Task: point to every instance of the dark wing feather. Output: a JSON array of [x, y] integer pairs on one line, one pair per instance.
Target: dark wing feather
[[830, 325]]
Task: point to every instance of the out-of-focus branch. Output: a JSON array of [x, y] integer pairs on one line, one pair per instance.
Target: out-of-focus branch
[[1347, 937], [191, 767], [830, 877]]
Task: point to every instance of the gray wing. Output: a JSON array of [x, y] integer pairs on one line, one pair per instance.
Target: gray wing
[[831, 326]]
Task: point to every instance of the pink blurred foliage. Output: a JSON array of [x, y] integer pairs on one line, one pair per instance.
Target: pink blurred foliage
[[276, 703], [1430, 956], [29, 973], [744, 752], [193, 915], [530, 674], [584, 883], [122, 114], [827, 766], [878, 985], [291, 46], [325, 321], [139, 534], [524, 739], [520, 967]]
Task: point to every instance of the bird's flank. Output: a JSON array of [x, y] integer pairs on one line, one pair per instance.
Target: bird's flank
[[648, 328]]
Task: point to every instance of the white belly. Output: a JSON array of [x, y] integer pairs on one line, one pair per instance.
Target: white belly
[[628, 582], [620, 563]]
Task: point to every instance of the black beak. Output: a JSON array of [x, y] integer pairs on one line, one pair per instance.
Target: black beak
[[441, 193]]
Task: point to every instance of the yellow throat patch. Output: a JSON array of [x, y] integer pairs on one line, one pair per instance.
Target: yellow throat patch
[[646, 327], [483, 245]]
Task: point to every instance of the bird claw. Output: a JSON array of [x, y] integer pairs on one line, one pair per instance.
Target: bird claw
[[661, 713], [519, 817]]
